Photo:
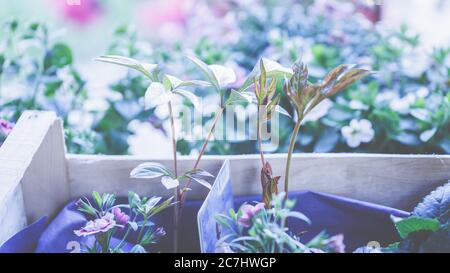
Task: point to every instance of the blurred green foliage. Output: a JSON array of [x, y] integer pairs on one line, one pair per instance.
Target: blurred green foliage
[[407, 102]]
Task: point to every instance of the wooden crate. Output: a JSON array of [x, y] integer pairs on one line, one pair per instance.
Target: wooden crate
[[38, 177]]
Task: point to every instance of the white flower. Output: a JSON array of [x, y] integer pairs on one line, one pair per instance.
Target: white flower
[[357, 132], [403, 105], [422, 92], [400, 105], [319, 111], [80, 119], [415, 64], [274, 35], [358, 105], [411, 98], [224, 75], [169, 182], [386, 96], [96, 104]]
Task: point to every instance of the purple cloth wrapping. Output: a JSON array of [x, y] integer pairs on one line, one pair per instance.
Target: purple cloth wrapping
[[25, 241], [360, 222]]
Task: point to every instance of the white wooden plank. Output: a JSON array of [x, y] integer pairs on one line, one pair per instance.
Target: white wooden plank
[[15, 157], [111, 174], [33, 177], [392, 180], [45, 183], [12, 211]]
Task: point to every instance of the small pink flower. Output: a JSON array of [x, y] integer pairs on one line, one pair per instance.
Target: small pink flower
[[6, 127], [121, 217], [248, 211], [98, 225]]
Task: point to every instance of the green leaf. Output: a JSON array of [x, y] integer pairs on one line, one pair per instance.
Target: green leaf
[[197, 175], [157, 94], [239, 98], [199, 172], [300, 216], [150, 170], [425, 136], [144, 68], [435, 205], [98, 199], [51, 88], [273, 70], [176, 83], [438, 242], [202, 182], [138, 249], [151, 203], [262, 79], [420, 114], [58, 56], [206, 71], [191, 97], [133, 225], [282, 111], [85, 207], [134, 200], [164, 205], [224, 221], [415, 224]]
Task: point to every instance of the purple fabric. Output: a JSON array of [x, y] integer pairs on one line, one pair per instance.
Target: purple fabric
[[360, 222], [26, 240]]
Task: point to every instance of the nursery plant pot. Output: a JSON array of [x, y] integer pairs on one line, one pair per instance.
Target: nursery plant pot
[[33, 160]]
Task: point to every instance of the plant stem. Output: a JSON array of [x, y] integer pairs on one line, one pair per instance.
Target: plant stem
[[290, 152], [174, 139], [177, 190], [1, 84], [202, 151], [122, 242], [141, 232], [35, 89], [258, 128]]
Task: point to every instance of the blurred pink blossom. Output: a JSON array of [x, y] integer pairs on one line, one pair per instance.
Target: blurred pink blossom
[[5, 127], [158, 13], [121, 217], [96, 226], [248, 211], [79, 11], [164, 20]]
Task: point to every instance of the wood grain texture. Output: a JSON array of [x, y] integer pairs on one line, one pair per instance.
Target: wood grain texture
[[45, 184], [399, 181], [33, 177], [16, 155], [111, 174]]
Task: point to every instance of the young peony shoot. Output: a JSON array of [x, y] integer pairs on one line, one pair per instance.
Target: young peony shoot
[[304, 95]]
